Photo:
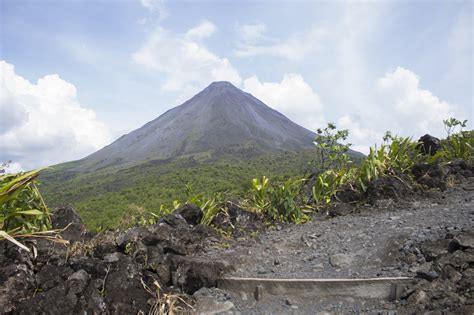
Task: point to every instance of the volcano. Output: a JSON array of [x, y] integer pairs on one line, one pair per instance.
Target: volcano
[[219, 120]]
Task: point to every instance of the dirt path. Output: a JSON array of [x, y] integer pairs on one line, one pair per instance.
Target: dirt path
[[360, 245]]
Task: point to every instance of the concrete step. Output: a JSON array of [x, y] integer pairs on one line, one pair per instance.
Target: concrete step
[[369, 288]]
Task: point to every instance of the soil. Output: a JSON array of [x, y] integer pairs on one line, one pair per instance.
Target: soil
[[424, 233]]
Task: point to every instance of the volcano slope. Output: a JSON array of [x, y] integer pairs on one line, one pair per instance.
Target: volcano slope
[[426, 235]]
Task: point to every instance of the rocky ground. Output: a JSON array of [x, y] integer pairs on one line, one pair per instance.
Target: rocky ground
[[419, 238], [427, 234]]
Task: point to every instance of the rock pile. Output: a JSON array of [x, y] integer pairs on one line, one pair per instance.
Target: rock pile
[[110, 272], [444, 269]]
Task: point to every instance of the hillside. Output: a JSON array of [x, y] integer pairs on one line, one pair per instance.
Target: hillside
[[104, 196]]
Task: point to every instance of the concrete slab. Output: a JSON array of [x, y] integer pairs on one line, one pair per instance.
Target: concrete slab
[[371, 288]]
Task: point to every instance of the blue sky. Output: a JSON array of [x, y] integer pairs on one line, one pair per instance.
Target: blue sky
[[77, 74]]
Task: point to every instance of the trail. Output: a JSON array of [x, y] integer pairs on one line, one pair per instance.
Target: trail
[[369, 244]]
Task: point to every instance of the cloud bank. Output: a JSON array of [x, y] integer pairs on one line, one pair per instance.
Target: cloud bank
[[44, 123], [401, 106]]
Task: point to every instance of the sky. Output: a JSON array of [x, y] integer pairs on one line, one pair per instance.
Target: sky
[[77, 74]]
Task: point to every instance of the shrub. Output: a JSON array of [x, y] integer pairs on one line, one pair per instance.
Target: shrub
[[402, 153], [210, 206], [137, 216], [332, 153], [372, 167], [327, 184], [284, 202], [459, 143], [397, 155], [259, 193]]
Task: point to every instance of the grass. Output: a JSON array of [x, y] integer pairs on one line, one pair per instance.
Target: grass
[[166, 303]]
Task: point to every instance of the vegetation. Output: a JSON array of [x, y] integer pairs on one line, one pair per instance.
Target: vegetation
[[260, 194], [23, 212], [327, 185], [458, 143], [395, 157], [103, 197], [332, 152], [165, 303], [278, 201], [285, 202]]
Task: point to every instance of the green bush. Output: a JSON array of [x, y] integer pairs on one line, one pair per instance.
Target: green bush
[[397, 155], [458, 144], [402, 153], [327, 184], [259, 193], [332, 153], [285, 203]]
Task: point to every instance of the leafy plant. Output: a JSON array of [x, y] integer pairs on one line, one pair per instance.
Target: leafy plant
[[23, 212], [332, 153], [213, 207], [327, 184], [164, 210], [451, 124], [402, 154], [458, 144], [397, 155], [130, 248], [259, 193], [210, 206], [372, 167], [284, 204]]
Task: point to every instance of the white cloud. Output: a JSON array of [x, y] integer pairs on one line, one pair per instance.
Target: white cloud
[[44, 123], [296, 47], [362, 138], [293, 97], [402, 107], [188, 65], [416, 109]]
